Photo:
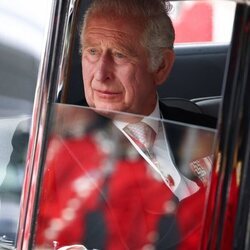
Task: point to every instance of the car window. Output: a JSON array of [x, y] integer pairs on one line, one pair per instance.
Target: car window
[[21, 43], [70, 186], [201, 48], [202, 22], [97, 190]]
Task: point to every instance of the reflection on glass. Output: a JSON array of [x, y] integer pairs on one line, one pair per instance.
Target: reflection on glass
[[12, 161], [210, 28], [21, 40], [101, 190]]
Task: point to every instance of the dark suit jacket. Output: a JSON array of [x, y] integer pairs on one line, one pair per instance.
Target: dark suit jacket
[[189, 121]]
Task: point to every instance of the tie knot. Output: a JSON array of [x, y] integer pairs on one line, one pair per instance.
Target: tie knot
[[141, 133]]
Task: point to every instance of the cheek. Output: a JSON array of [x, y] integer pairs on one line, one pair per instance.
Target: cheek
[[127, 78], [135, 80], [86, 76], [141, 81], [86, 71]]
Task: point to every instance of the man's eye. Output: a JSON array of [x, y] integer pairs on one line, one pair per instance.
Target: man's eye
[[119, 55], [92, 51]]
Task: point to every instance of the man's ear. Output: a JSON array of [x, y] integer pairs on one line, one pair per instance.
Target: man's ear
[[165, 67]]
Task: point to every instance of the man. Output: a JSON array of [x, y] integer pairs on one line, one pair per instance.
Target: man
[[127, 51]]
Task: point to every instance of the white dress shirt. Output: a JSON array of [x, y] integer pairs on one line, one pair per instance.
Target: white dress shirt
[[165, 167]]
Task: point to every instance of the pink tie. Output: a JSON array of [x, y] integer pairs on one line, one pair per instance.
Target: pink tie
[[142, 134]]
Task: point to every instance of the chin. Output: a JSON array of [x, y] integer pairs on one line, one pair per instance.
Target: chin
[[108, 107], [108, 110]]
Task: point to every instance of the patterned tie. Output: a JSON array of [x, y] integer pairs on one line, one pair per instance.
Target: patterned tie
[[142, 134]]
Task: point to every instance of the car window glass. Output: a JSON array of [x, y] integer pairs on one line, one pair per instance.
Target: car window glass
[[76, 183], [201, 48], [21, 42], [97, 190], [202, 22]]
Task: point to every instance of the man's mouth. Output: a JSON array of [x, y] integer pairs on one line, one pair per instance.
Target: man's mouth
[[107, 93]]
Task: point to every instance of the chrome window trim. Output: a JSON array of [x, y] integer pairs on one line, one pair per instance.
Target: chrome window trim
[[50, 78]]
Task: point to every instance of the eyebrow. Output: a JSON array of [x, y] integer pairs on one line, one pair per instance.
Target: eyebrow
[[120, 46]]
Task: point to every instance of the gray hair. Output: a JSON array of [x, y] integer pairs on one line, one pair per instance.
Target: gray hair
[[154, 14]]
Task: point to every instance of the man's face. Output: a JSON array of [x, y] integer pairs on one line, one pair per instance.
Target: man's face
[[115, 67]]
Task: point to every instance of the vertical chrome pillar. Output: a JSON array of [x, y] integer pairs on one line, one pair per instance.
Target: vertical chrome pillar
[[53, 73]]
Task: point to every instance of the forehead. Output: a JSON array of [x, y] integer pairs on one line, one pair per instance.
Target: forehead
[[115, 29]]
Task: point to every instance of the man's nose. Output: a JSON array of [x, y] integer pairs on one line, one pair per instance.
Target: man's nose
[[104, 68]]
